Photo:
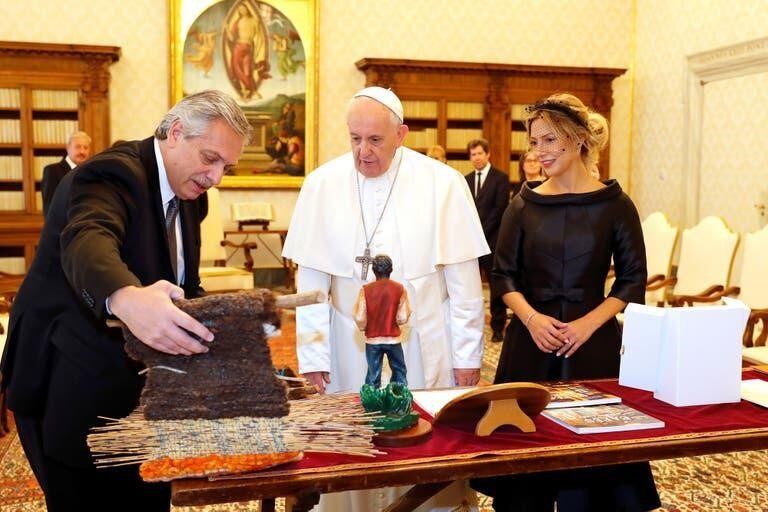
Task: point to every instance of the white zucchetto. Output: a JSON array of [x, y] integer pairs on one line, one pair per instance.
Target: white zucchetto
[[384, 96]]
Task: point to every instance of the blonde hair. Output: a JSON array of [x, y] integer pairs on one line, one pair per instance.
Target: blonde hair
[[437, 152], [569, 117]]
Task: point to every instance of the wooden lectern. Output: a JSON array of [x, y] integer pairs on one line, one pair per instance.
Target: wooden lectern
[[494, 406]]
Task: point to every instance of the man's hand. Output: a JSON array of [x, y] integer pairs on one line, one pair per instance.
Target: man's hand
[[318, 379], [466, 376], [151, 316]]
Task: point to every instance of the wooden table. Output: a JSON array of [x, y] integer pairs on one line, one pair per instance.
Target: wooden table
[[430, 475], [285, 262]]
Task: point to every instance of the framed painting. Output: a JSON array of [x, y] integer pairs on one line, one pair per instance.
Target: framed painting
[[264, 54]]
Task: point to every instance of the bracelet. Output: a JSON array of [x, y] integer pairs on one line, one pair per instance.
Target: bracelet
[[533, 314]]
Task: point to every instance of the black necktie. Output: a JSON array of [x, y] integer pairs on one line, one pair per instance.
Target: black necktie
[[170, 232], [477, 183]]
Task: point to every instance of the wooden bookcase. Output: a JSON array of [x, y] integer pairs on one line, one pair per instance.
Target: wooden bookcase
[[47, 91], [450, 103]]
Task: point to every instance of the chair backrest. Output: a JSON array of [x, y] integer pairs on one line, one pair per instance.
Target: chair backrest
[[754, 276], [706, 256], [212, 230], [660, 238]]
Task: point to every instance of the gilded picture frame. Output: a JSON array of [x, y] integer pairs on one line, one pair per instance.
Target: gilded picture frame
[[264, 54]]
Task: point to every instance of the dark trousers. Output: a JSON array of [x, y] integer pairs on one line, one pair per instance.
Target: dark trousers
[[69, 488], [498, 308], [374, 355]]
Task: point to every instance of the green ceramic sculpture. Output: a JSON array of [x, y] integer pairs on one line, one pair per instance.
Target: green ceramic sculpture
[[393, 401]]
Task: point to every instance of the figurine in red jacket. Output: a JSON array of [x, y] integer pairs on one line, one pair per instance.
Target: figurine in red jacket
[[381, 308]]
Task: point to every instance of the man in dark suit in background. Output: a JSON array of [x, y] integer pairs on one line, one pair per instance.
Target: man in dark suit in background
[[122, 238], [490, 188], [78, 151]]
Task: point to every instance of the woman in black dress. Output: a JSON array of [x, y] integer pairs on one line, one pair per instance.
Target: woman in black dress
[[552, 256]]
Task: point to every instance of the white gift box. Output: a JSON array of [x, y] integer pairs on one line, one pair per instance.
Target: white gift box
[[686, 356]]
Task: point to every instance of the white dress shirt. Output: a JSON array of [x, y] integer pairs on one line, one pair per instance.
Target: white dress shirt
[[483, 173], [167, 193]]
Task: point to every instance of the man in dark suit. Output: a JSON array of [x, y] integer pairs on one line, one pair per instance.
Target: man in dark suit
[[122, 239], [78, 151], [490, 188]]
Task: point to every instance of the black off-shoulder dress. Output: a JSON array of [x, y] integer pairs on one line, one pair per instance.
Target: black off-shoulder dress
[[556, 250]]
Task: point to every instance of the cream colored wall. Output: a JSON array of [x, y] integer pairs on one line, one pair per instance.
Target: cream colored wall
[[139, 88], [668, 32], [563, 32]]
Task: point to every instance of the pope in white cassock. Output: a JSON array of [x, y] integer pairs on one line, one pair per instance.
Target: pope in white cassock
[[382, 198]]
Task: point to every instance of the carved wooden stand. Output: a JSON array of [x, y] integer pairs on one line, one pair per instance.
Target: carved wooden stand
[[494, 406]]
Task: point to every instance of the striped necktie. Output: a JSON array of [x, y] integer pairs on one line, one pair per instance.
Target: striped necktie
[[170, 232]]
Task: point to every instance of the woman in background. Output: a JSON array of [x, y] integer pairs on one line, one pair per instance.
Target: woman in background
[[553, 253], [437, 152], [528, 169]]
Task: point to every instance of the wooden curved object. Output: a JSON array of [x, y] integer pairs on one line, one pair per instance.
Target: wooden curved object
[[406, 437], [491, 407]]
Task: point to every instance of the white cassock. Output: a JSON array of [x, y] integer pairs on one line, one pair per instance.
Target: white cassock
[[431, 230]]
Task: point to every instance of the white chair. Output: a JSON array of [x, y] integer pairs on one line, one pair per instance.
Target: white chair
[[214, 276], [660, 240], [706, 257], [754, 293]]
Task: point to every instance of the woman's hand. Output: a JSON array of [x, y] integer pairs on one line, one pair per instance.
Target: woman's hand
[[546, 332], [575, 334]]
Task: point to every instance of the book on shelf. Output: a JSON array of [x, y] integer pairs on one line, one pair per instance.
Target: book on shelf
[[53, 131], [755, 391], [54, 99], [10, 131], [464, 110], [519, 140], [421, 138], [597, 419], [518, 111], [463, 166], [11, 200], [420, 109], [10, 167], [39, 163], [10, 98], [457, 138], [12, 265], [571, 394]]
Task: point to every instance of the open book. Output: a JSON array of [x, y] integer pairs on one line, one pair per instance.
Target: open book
[[755, 391], [602, 418], [432, 401], [570, 394]]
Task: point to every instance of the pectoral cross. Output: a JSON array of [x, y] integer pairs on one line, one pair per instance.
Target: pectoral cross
[[366, 261]]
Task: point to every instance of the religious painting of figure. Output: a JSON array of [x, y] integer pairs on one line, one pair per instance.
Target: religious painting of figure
[[262, 53]]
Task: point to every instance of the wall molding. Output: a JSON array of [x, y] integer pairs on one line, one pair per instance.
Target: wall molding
[[732, 61]]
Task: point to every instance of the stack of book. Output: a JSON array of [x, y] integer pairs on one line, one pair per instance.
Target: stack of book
[[52, 131], [54, 99], [10, 167], [585, 410]]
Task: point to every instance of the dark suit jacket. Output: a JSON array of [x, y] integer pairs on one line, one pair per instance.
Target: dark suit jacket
[[491, 202], [52, 175], [105, 230]]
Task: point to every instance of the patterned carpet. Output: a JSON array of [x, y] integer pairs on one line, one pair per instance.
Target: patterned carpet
[[736, 482]]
